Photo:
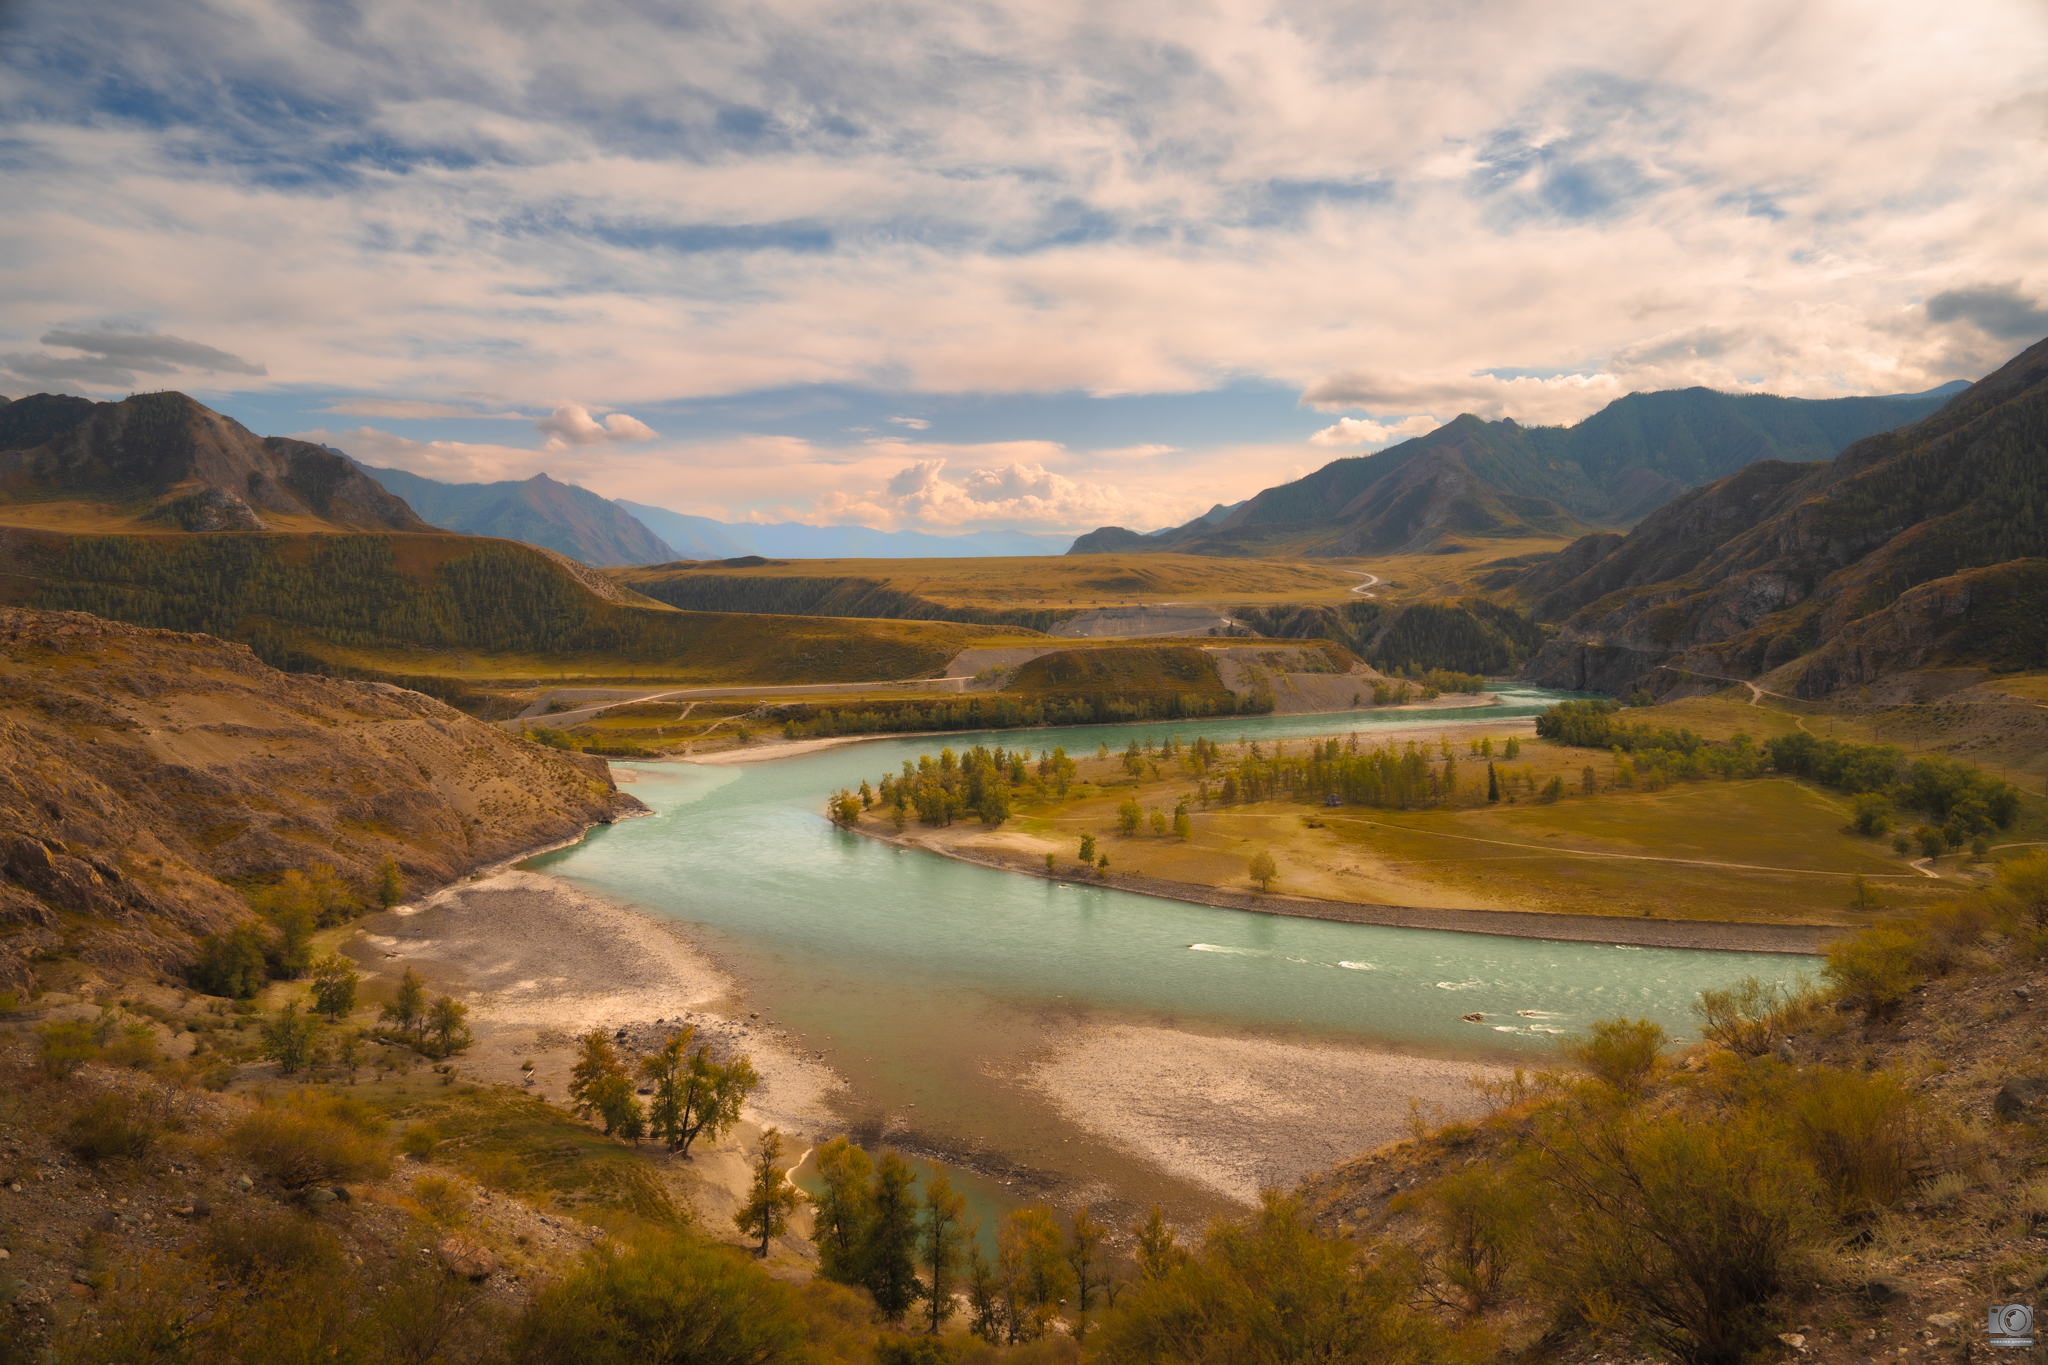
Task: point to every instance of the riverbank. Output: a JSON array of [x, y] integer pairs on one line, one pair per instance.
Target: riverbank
[[1630, 931], [540, 964]]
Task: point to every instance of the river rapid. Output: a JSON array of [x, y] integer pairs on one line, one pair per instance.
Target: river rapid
[[934, 986]]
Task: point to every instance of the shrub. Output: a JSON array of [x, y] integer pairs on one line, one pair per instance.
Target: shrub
[[136, 1047], [308, 1144], [1263, 870], [1863, 1135], [1871, 814], [1620, 1054], [669, 1298], [231, 964], [1684, 1229], [1749, 1017], [419, 1142], [1481, 1221], [2026, 881], [268, 1244], [114, 1126], [65, 1046], [288, 1039], [442, 1201], [1877, 967]]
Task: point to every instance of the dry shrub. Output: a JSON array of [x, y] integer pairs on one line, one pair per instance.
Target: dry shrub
[[1949, 932], [1480, 1221], [1863, 1135], [312, 1141], [1750, 1017], [273, 1244], [115, 1126], [65, 1046], [445, 1203], [1877, 968], [1620, 1053]]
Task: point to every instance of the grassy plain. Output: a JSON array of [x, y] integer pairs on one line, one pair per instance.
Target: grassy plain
[[1759, 850]]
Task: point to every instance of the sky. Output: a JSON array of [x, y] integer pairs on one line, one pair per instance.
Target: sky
[[961, 266]]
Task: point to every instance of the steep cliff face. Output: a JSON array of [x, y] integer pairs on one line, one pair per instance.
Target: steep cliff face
[[1748, 574], [175, 463], [140, 769]]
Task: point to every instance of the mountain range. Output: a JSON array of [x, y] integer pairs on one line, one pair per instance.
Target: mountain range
[[162, 460], [704, 538], [540, 511], [1476, 478], [1911, 546]]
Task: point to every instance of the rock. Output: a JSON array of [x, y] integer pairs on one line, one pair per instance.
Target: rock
[[319, 1196], [1886, 1289], [1785, 1053], [467, 1257], [2022, 1098], [1793, 1339], [1473, 1018], [1944, 1322], [341, 1193], [244, 1183], [2022, 994]]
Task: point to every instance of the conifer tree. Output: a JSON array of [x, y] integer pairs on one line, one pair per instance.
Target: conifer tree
[[890, 1249], [771, 1197]]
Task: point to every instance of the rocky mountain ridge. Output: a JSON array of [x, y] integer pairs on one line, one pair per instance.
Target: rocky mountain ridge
[[540, 511], [142, 771]]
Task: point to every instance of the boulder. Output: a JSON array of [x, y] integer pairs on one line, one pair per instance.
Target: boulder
[[2022, 1099], [1887, 1289], [467, 1257]]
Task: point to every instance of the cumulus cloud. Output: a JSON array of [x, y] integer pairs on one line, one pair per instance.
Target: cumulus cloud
[[1014, 494], [1526, 398], [448, 461], [1363, 431], [572, 425], [1999, 309]]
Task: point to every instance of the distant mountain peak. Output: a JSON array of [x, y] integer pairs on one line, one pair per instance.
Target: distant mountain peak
[[540, 510]]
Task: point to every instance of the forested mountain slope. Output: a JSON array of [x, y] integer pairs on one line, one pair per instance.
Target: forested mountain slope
[[1757, 570]]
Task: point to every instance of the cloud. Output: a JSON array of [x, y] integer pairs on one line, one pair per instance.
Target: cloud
[[1526, 398], [115, 356], [572, 425], [1359, 431], [152, 352], [1999, 309], [402, 408], [914, 423], [1013, 494], [448, 461]]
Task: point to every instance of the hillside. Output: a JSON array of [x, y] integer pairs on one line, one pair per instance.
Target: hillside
[[539, 511], [1473, 636], [141, 770], [1753, 573], [163, 461], [441, 611], [1471, 478]]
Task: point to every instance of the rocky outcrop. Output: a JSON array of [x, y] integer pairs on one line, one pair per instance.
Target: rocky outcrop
[[191, 466], [141, 770]]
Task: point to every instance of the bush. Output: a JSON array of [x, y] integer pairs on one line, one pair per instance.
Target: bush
[[1871, 814], [114, 1126], [310, 1143], [1620, 1054], [669, 1298], [1748, 1018], [1863, 1135], [65, 1046], [252, 1248], [231, 964], [1877, 967], [1684, 1229], [1481, 1220], [444, 1202]]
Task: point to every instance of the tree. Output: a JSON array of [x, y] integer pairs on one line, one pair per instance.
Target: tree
[[941, 1242], [1492, 784], [889, 1249], [409, 1010], [1134, 760], [712, 1098], [596, 1063], [1264, 870], [839, 1224], [1084, 1259], [1032, 1267], [1158, 821], [611, 1098], [446, 1021], [1052, 862], [390, 883], [1589, 783], [668, 1068], [1087, 848], [1158, 1253], [1183, 824], [844, 807], [771, 1197], [985, 1298], [334, 986], [231, 964], [1128, 814], [1621, 1053], [288, 1039]]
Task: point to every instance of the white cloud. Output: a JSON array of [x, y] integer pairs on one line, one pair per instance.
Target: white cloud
[[914, 423], [1362, 431], [572, 425], [404, 408]]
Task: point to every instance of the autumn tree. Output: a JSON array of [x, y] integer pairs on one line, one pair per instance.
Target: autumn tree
[[771, 1197], [840, 1220], [447, 1022], [941, 1243], [288, 1039], [334, 986], [1032, 1269], [1084, 1258], [596, 1063], [1128, 814], [390, 883], [409, 1010], [889, 1249], [1264, 870]]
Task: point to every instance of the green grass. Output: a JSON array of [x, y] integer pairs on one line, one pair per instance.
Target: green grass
[[1153, 672]]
